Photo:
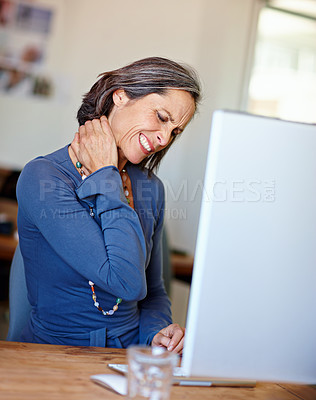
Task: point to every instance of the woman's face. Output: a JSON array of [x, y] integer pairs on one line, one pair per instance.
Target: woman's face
[[144, 126]]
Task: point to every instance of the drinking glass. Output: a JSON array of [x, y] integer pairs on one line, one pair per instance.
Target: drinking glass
[[150, 372]]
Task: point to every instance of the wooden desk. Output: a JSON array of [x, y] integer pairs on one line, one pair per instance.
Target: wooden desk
[[37, 372]]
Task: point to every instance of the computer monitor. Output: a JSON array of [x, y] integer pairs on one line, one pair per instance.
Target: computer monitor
[[252, 306]]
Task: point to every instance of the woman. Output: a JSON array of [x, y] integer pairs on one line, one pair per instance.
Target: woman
[[91, 214]]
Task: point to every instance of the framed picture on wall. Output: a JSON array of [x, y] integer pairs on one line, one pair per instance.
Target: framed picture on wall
[[24, 32]]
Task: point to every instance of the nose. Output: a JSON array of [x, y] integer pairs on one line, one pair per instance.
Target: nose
[[163, 137]]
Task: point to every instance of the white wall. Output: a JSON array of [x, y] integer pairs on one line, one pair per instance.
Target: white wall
[[224, 49], [92, 36]]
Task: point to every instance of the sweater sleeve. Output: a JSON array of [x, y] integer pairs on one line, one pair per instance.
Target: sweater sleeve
[[155, 309], [51, 205]]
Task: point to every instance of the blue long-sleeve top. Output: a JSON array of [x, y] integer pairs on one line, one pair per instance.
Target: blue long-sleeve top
[[73, 231]]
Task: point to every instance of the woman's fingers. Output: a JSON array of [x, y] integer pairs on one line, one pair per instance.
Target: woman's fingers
[[161, 340], [171, 337], [106, 127], [179, 347]]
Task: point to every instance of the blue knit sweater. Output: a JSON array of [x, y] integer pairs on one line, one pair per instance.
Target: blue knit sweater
[[72, 232]]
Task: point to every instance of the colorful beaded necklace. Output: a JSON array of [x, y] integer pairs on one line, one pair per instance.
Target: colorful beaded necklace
[[97, 305], [127, 186], [79, 166]]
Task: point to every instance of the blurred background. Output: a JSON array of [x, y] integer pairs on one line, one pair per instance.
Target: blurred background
[[251, 55]]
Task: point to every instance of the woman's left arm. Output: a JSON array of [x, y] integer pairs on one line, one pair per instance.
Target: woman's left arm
[[156, 326]]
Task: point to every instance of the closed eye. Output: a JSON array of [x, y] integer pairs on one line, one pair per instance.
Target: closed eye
[[165, 119], [162, 118]]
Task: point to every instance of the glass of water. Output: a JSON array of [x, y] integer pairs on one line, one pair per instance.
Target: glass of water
[[150, 372]]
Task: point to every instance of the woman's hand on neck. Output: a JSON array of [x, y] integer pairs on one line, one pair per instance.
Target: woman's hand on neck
[[94, 146]]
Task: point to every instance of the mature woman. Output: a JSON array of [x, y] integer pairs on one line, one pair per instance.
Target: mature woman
[[91, 214]]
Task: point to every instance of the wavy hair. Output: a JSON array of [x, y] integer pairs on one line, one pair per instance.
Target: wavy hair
[[138, 79]]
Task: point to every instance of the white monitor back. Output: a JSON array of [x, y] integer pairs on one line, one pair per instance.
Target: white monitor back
[[252, 307]]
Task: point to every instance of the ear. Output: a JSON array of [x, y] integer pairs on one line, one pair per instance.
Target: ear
[[120, 97]]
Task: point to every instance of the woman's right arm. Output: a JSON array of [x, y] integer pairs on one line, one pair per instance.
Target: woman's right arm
[[110, 253]]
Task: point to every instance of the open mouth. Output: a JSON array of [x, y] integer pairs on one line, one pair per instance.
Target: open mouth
[[146, 145]]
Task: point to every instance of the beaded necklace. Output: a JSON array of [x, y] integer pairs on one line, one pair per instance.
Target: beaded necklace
[[127, 186], [79, 166], [97, 305]]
